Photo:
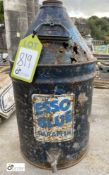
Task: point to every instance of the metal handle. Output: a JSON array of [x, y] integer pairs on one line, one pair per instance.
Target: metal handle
[[51, 24]]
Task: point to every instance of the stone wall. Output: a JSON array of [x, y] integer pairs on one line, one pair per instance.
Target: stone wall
[[3, 47], [18, 16]]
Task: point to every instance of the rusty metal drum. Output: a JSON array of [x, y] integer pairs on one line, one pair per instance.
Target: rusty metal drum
[[53, 111]]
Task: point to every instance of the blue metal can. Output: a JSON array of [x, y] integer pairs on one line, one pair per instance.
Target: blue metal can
[[53, 111]]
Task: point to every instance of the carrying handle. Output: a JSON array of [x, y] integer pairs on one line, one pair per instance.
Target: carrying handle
[[51, 24]]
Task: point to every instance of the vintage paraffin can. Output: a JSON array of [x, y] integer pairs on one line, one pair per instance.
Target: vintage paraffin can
[[53, 111]]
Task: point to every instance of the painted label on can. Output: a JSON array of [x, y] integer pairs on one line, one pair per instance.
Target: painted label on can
[[53, 117]]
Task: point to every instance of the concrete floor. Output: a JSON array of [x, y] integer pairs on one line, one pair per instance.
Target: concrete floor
[[96, 161]]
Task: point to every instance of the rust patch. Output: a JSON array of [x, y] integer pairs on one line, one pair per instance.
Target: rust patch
[[82, 98]]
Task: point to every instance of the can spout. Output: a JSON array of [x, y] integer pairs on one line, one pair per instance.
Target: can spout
[[52, 158]]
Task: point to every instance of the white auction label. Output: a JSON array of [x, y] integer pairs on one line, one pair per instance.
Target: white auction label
[[25, 62], [27, 58]]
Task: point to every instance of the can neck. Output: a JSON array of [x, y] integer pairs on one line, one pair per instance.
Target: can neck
[[50, 2]]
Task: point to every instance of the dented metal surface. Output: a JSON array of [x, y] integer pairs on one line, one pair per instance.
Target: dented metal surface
[[64, 69]]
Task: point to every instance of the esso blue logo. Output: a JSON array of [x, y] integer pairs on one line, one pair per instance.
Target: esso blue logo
[[52, 107]]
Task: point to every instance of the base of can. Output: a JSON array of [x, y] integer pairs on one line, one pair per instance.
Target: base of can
[[65, 165]]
